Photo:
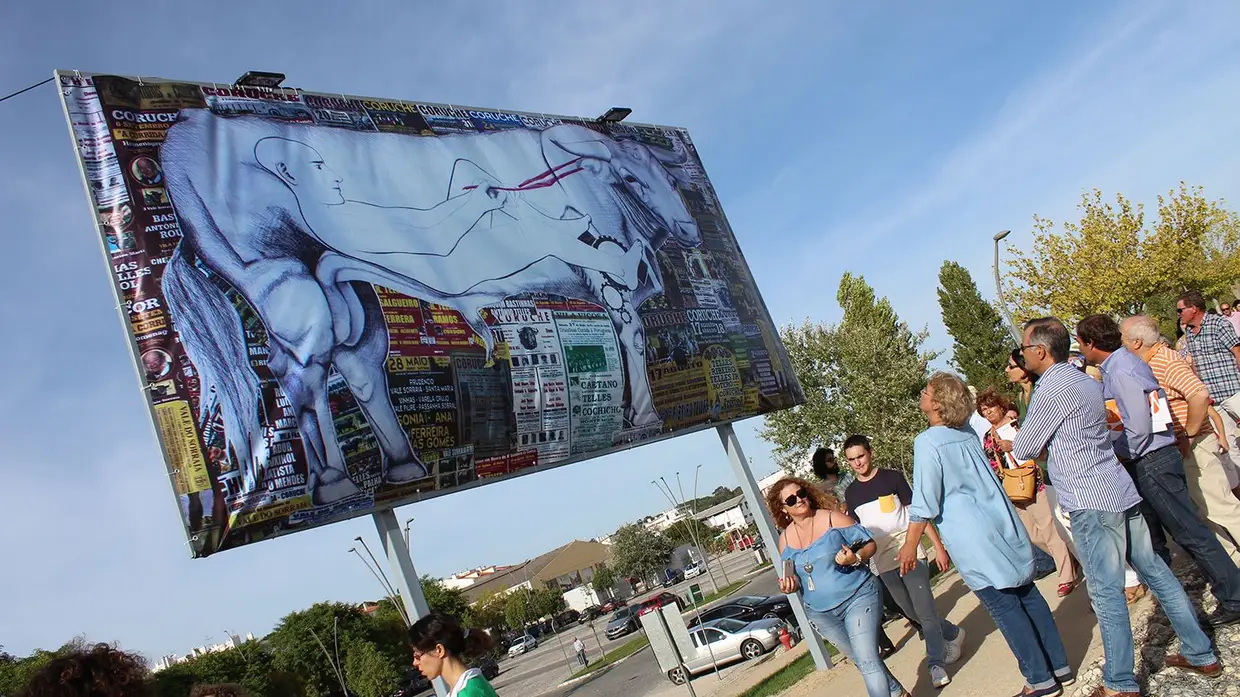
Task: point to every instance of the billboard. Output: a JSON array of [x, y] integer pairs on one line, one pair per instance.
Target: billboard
[[341, 304]]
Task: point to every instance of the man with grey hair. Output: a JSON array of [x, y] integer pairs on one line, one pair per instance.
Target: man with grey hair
[[1068, 419], [1198, 442]]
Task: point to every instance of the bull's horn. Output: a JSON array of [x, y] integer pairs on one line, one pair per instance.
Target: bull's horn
[[577, 141]]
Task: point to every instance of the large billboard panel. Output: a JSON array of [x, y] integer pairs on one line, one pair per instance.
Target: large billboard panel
[[341, 304]]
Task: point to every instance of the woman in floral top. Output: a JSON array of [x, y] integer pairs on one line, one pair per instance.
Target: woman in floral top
[[1037, 516]]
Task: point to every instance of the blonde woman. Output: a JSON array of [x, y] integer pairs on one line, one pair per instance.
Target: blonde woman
[[955, 488]]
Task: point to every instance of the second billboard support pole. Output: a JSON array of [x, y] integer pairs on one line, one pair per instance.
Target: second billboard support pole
[[753, 496], [400, 563]]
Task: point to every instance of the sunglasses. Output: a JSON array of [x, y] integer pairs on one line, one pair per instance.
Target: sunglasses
[[801, 495]]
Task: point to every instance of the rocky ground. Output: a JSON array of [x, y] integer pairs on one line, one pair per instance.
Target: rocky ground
[[1152, 632]]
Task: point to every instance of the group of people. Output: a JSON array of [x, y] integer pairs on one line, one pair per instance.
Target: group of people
[[1103, 455], [441, 649]]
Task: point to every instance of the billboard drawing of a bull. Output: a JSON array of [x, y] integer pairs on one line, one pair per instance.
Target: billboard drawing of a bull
[[302, 220]]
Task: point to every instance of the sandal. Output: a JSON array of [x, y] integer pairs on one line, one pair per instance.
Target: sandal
[[1134, 593], [1065, 589]]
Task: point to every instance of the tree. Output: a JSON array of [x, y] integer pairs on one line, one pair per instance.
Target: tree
[[519, 609], [547, 602], [488, 612], [315, 643], [980, 335], [1114, 261], [369, 672], [604, 581], [440, 598], [639, 552], [863, 376], [682, 532]]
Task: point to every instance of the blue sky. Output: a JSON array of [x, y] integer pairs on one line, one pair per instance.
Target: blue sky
[[878, 138]]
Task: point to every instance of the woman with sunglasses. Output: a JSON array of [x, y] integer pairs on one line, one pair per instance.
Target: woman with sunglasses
[[827, 553], [955, 488], [440, 649]]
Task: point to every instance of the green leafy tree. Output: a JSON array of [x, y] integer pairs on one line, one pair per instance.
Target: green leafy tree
[[370, 672], [682, 532], [547, 602], [639, 552], [519, 609], [604, 581], [488, 612], [249, 665], [981, 338], [450, 601], [863, 376], [1114, 260], [305, 644]]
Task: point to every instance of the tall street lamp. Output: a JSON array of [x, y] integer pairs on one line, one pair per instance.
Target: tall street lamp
[[399, 607], [999, 289], [407, 522]]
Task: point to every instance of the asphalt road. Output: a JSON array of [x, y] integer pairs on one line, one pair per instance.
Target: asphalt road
[[541, 671], [640, 675]]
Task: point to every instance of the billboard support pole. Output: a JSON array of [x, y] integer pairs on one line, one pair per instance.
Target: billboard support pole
[[753, 496], [401, 565]]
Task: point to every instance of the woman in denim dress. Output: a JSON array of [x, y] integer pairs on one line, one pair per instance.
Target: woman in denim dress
[[829, 551]]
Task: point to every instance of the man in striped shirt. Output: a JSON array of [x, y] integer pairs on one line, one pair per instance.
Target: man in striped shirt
[[1067, 418], [1198, 441], [1214, 348]]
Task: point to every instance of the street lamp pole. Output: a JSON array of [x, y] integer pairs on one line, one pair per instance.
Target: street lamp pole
[[386, 583], [999, 289], [390, 596], [407, 522]]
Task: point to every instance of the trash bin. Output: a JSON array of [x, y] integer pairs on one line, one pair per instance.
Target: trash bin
[[696, 594]]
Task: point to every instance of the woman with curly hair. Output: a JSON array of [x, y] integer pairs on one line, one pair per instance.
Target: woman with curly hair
[[825, 554], [98, 671], [955, 488]]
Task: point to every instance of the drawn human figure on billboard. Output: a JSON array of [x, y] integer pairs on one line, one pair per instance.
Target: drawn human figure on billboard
[[450, 246], [264, 213]]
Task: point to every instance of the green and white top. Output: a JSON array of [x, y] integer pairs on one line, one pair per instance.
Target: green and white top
[[472, 684]]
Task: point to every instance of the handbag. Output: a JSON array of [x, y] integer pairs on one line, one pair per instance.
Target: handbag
[[1020, 483]]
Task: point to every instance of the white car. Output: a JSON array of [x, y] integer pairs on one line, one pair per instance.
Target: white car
[[693, 570], [727, 641], [524, 644]]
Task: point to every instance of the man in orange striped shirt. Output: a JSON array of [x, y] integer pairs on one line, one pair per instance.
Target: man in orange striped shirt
[[1198, 442]]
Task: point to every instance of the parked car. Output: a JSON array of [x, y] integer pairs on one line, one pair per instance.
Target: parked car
[[658, 601], [694, 570], [623, 622], [747, 608], [613, 605], [567, 617], [672, 577], [727, 641], [589, 614], [522, 645], [489, 667]]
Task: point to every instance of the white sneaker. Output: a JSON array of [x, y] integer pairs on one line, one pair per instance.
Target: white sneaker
[[954, 648], [939, 677]]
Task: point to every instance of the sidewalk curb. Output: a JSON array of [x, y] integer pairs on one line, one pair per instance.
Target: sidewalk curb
[[571, 682]]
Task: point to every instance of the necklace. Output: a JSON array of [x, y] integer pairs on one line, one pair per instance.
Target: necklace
[[808, 565]]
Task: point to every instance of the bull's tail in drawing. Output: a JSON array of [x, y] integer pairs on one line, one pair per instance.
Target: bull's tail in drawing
[[211, 331]]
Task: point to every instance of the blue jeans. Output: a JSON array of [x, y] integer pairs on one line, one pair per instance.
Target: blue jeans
[[853, 627], [913, 594], [1160, 480], [1104, 540], [1025, 620]]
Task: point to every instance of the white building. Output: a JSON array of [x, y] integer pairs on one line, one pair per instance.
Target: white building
[[662, 521], [234, 641], [730, 515]]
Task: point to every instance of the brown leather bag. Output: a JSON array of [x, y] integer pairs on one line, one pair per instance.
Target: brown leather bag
[[1020, 483]]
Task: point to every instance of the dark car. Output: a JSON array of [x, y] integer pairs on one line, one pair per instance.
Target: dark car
[[748, 608], [589, 614], [623, 622], [567, 617], [658, 601], [672, 577], [488, 666]]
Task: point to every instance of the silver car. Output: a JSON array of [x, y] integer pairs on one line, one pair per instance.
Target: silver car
[[728, 640]]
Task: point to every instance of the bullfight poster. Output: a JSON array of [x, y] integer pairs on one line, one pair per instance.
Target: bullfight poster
[[341, 304]]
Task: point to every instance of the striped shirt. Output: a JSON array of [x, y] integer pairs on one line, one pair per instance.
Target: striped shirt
[[1068, 417], [1210, 349], [1179, 382]]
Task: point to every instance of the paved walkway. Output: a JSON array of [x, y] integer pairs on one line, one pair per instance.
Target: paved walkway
[[987, 668]]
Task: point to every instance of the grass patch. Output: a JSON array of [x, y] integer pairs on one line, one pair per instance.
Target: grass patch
[[614, 655], [787, 676], [723, 593]]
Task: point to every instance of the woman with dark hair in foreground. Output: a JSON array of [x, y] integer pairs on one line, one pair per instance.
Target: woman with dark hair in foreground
[[440, 649]]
